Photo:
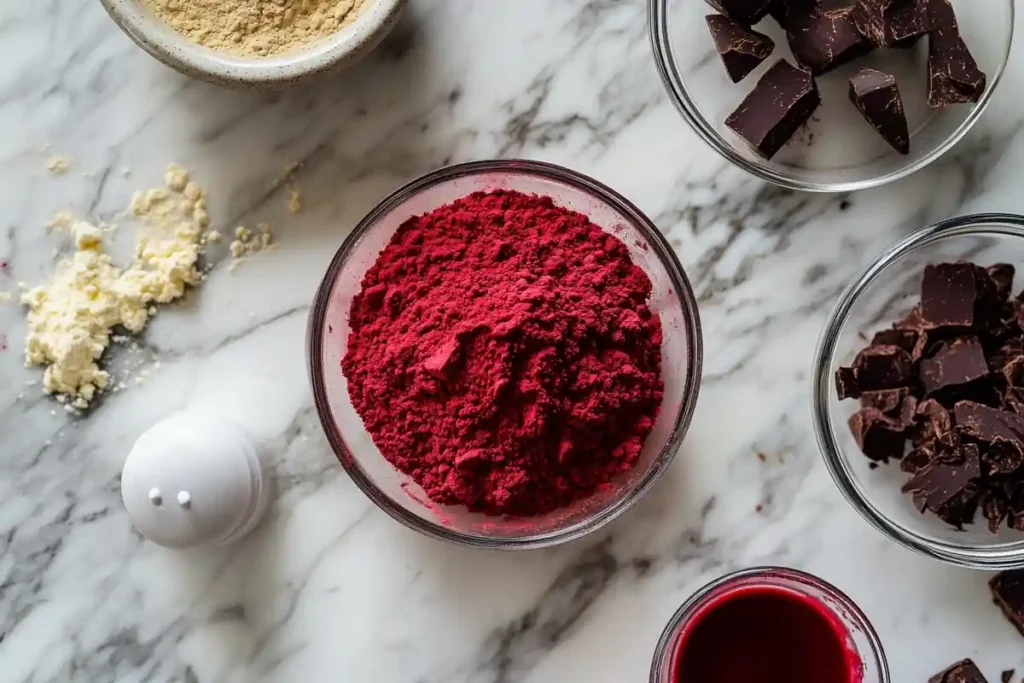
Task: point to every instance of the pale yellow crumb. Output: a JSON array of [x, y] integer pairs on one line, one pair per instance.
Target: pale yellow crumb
[[294, 199], [58, 165], [5, 297]]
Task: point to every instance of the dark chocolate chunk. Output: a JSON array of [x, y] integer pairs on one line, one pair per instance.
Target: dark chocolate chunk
[[995, 509], [781, 102], [990, 426], [823, 40], [917, 459], [742, 49], [953, 73], [942, 483], [888, 401], [934, 418], [1002, 275], [1006, 676], [961, 672], [948, 294], [1013, 371], [747, 12], [892, 23], [846, 384], [957, 362], [877, 97], [1008, 592], [882, 367], [879, 437], [906, 339]]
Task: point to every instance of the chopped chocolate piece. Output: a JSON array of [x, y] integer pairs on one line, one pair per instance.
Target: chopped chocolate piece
[[747, 12], [908, 411], [889, 23], [780, 103], [878, 98], [742, 49], [879, 437], [957, 362], [917, 459], [995, 509], [912, 321], [948, 293], [846, 384], [823, 40], [1006, 676], [1008, 592], [1002, 275], [882, 367], [953, 73], [961, 672], [887, 401], [781, 9], [940, 483], [989, 425], [1013, 371], [904, 338], [935, 419]]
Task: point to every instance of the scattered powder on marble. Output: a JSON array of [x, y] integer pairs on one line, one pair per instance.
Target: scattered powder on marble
[[70, 319], [248, 243], [257, 28], [5, 297], [58, 165]]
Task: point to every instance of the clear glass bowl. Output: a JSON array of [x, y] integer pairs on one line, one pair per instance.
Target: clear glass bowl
[[395, 492], [838, 151], [885, 292], [862, 637]]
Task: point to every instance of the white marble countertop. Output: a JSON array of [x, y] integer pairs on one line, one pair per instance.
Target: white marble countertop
[[329, 588]]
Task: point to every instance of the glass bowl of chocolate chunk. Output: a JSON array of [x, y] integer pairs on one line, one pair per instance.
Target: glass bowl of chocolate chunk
[[919, 392], [831, 95]]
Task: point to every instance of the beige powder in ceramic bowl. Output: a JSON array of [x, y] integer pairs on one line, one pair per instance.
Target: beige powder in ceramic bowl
[[256, 43]]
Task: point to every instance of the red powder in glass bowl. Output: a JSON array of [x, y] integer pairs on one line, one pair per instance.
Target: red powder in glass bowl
[[503, 355]]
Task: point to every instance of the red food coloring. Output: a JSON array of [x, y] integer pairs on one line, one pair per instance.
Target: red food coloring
[[502, 353], [766, 634]]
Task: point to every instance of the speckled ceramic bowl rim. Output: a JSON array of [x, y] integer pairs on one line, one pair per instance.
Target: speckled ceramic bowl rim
[[334, 52]]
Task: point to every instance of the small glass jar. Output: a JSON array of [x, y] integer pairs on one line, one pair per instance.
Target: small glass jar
[[862, 638]]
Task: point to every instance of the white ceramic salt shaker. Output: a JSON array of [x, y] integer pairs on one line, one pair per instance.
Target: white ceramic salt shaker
[[193, 479]]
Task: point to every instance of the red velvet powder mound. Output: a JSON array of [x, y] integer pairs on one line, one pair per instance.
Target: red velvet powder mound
[[502, 353]]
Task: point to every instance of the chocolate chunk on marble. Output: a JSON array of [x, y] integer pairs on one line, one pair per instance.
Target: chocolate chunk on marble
[[962, 672], [880, 437], [953, 74], [892, 23], [957, 362], [1006, 676], [742, 49], [781, 102], [948, 294], [877, 96], [882, 367], [1008, 593], [746, 12], [823, 40]]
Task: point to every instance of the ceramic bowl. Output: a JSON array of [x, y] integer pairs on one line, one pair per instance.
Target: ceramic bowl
[[837, 151], [396, 493], [329, 54], [883, 293]]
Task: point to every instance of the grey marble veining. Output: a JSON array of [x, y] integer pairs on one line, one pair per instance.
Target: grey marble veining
[[329, 588]]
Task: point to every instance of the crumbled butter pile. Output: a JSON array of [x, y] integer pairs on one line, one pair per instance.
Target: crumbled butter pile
[[71, 318], [58, 165], [257, 28]]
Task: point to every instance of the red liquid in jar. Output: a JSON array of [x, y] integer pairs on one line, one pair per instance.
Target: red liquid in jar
[[766, 634]]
